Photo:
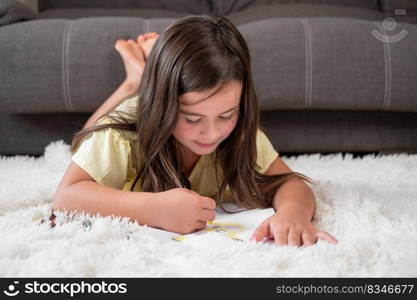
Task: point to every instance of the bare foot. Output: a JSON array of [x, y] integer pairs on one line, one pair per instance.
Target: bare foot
[[146, 41], [134, 55], [133, 58]]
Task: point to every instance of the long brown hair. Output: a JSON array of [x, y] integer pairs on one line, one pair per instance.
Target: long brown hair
[[197, 53]]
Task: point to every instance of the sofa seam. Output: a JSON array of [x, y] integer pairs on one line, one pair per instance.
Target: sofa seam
[[309, 63], [65, 71], [387, 70]]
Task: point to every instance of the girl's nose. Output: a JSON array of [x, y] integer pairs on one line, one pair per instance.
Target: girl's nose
[[211, 132]]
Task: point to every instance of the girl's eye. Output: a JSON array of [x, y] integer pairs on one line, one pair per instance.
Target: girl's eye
[[226, 118], [192, 121], [196, 121]]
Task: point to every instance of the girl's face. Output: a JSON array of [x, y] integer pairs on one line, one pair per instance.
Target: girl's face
[[209, 121]]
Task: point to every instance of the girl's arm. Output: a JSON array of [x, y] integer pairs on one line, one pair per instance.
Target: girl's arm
[[177, 210], [127, 88], [94, 198], [294, 204], [295, 197]]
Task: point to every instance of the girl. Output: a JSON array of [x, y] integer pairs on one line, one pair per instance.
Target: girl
[[187, 139]]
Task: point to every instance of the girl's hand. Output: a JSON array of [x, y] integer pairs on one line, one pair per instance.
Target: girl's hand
[[184, 211], [290, 230]]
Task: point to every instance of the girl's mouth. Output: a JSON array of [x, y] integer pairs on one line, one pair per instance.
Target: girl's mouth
[[205, 145]]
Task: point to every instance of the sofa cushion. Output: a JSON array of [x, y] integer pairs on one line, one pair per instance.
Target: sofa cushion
[[188, 6], [331, 63], [392, 5], [58, 65], [12, 11], [297, 63], [300, 131], [231, 6], [78, 13], [302, 11]]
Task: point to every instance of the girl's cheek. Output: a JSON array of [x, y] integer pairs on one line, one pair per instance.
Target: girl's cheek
[[188, 130], [183, 131], [233, 122], [231, 125]]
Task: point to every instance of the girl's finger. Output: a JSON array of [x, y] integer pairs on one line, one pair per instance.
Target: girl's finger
[[326, 236], [294, 237], [308, 239], [261, 232], [270, 235], [281, 236], [201, 225]]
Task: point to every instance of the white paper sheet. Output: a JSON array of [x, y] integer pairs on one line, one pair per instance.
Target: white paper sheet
[[238, 226]]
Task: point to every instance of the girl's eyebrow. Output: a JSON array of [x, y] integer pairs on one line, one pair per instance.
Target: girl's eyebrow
[[195, 114]]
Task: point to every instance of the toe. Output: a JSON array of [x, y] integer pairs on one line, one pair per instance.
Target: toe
[[154, 34], [141, 38], [118, 44], [150, 35]]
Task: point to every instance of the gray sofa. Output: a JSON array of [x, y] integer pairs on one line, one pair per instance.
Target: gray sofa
[[330, 75]]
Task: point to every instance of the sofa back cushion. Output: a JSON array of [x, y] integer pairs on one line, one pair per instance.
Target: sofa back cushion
[[188, 6], [12, 11], [194, 6], [230, 6], [391, 5]]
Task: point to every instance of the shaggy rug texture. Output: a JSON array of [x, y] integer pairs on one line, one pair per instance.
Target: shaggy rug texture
[[369, 204]]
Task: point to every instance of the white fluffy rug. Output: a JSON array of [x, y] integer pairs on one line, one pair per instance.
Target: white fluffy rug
[[368, 204]]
